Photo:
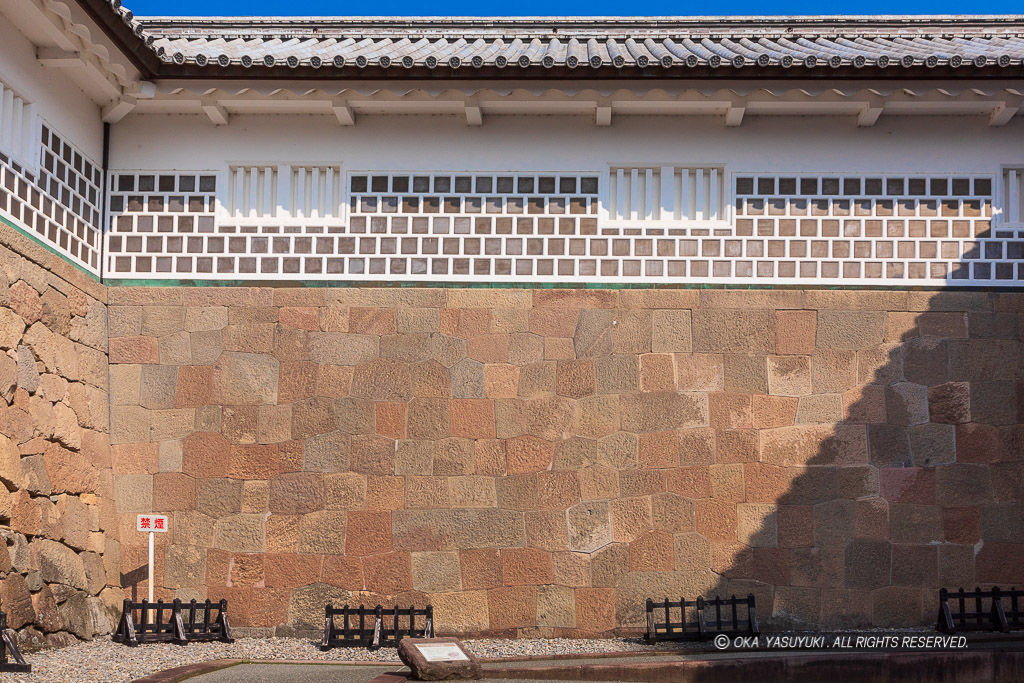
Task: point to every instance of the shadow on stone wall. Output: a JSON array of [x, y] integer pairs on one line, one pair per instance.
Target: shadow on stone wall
[[918, 487]]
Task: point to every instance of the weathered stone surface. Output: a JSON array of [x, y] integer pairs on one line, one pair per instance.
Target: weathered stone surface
[[464, 665], [247, 378], [322, 532], [589, 526], [795, 332], [77, 616], [556, 606], [846, 329], [60, 564], [725, 330], [240, 533], [464, 612], [11, 328], [593, 335], [662, 411], [671, 331], [17, 601], [46, 614], [950, 403], [436, 572], [451, 529], [8, 376], [296, 493], [28, 373], [10, 463]]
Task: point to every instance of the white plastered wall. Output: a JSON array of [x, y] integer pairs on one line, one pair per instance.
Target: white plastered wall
[[58, 100], [764, 144]]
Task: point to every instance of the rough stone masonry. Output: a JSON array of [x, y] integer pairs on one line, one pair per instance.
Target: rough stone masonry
[[529, 461], [60, 578], [539, 461]]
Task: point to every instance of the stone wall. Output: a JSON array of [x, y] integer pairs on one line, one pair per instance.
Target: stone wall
[[60, 577], [540, 461]]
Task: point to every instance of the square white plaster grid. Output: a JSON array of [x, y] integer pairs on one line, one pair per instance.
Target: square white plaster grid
[[162, 224], [460, 226], [915, 228], [59, 202]]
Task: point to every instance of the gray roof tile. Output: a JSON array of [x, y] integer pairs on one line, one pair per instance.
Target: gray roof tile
[[636, 43]]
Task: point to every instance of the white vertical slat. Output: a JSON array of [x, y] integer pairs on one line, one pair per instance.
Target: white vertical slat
[[605, 197], [16, 126], [284, 187], [330, 203], [223, 194], [4, 108], [636, 194], [7, 121], [269, 193], [238, 193], [253, 202], [620, 205], [698, 195], [668, 193], [1012, 196], [649, 209], [713, 195], [35, 135], [341, 206], [684, 194], [299, 206], [314, 204]]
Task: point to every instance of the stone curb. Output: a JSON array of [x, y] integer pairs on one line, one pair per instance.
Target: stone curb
[[391, 677], [584, 655], [180, 673], [933, 667]]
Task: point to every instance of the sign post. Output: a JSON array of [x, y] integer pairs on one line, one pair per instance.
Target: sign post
[[152, 524]]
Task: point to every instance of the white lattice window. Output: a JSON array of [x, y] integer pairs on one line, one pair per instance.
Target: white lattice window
[[1013, 197], [667, 194], [279, 193], [19, 129]]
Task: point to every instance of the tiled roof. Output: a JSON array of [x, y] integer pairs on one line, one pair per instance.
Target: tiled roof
[[654, 46]]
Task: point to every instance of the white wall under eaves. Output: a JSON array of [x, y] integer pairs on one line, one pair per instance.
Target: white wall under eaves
[[792, 144], [58, 100]]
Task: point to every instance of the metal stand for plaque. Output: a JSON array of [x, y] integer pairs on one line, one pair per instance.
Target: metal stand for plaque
[[9, 651]]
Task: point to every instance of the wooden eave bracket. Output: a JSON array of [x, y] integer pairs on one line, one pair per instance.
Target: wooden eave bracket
[[215, 111], [343, 112], [1005, 111], [474, 114], [734, 114], [870, 111], [55, 57], [126, 103]]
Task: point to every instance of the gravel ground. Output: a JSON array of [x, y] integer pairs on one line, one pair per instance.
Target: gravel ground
[[103, 660]]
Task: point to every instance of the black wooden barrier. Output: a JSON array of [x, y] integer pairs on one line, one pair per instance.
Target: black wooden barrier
[[8, 648], [375, 627], [174, 622], [980, 610], [700, 619]]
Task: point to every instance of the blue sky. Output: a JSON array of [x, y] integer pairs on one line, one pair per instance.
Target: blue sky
[[562, 7]]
